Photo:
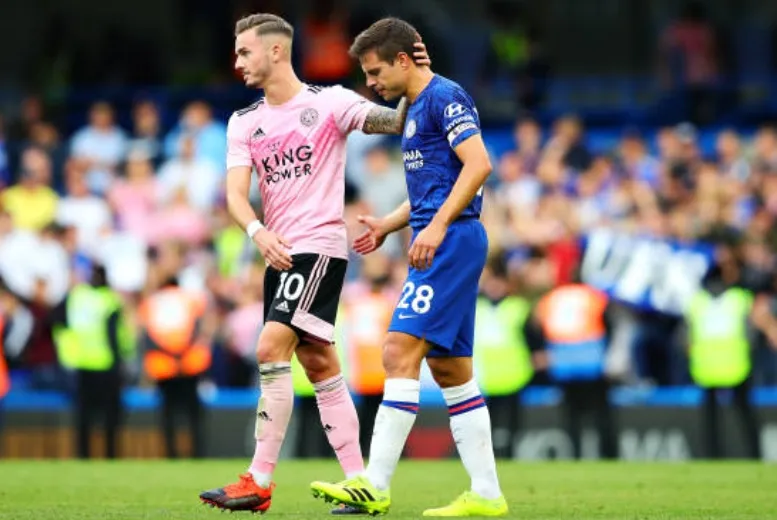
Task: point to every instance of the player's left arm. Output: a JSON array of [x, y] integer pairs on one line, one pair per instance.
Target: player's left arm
[[383, 120], [475, 170]]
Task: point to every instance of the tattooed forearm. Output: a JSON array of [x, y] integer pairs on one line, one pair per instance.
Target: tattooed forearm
[[382, 120]]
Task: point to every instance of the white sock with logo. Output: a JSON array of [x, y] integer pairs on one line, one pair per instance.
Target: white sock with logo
[[471, 428], [393, 423]]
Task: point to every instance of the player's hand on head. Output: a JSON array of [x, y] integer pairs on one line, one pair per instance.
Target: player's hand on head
[[372, 237], [274, 249], [421, 55], [424, 247]]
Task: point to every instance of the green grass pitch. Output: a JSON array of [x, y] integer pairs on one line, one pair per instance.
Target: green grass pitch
[[589, 490]]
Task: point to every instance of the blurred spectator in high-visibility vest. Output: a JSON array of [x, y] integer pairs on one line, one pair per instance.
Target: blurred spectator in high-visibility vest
[[176, 343], [719, 320], [94, 341], [503, 361], [324, 42], [572, 324]]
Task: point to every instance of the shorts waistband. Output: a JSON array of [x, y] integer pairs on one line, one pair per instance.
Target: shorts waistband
[[460, 220]]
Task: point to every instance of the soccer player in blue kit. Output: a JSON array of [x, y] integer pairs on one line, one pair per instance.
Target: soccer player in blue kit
[[446, 164]]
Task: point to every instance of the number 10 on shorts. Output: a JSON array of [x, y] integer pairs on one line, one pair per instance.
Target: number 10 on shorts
[[290, 288], [419, 299]]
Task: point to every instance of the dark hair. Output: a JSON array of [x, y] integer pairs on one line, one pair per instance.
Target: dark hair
[[170, 281], [497, 264], [387, 37], [264, 23], [99, 276]]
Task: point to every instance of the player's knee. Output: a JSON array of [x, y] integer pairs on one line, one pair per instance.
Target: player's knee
[[450, 372], [402, 357], [319, 361], [276, 344], [268, 351]]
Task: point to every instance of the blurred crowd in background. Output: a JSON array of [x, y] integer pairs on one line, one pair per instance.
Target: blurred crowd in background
[[135, 184], [147, 203]]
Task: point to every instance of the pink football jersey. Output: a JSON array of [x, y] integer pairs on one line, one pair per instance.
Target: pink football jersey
[[298, 150]]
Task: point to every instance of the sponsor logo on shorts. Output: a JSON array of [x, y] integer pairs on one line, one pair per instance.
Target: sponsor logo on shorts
[[283, 307]]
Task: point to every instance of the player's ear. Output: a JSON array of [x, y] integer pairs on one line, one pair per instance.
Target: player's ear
[[277, 51], [404, 60]]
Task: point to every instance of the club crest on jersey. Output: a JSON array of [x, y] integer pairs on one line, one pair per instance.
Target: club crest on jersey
[[309, 117], [454, 110], [410, 129]]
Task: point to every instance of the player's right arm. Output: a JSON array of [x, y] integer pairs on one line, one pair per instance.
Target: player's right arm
[[383, 120], [274, 248], [379, 228]]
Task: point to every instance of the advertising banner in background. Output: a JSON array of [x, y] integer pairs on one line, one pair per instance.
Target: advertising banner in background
[[645, 433], [647, 273]]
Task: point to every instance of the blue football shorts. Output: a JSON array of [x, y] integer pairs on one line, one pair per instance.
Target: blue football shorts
[[438, 304]]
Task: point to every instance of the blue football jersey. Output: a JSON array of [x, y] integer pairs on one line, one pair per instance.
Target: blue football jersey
[[440, 118]]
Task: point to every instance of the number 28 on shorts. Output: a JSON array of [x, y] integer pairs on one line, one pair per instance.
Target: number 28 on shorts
[[418, 299]]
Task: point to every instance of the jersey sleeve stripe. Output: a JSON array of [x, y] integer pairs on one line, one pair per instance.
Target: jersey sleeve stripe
[[250, 108]]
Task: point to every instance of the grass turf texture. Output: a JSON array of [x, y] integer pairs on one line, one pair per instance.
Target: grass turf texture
[[589, 490]]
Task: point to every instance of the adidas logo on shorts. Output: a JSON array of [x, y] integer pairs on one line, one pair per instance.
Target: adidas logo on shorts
[[283, 307]]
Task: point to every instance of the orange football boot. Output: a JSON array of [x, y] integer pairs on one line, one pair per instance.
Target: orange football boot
[[243, 495]]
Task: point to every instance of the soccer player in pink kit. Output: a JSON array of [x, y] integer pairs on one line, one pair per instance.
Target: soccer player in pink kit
[[295, 139]]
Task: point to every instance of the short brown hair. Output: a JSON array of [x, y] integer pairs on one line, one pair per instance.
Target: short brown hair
[[264, 23], [387, 37]]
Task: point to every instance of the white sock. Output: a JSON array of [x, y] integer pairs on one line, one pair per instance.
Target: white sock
[[471, 428], [261, 479], [393, 423]]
